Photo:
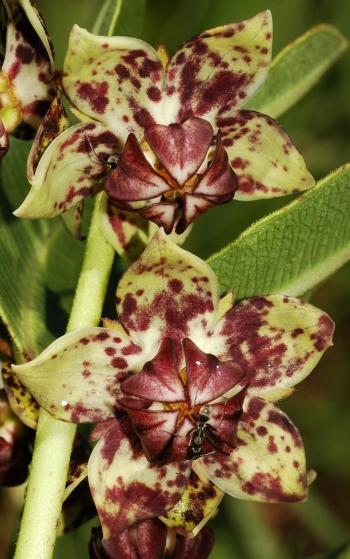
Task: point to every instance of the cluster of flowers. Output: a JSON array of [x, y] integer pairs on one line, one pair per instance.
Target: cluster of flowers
[[182, 387]]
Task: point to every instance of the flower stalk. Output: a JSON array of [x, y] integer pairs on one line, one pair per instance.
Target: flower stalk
[[54, 438]]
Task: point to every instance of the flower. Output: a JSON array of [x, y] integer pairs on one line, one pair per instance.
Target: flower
[[4, 141], [149, 539], [178, 347], [15, 443], [168, 137], [27, 83]]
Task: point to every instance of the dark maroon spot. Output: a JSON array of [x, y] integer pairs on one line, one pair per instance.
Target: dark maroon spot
[[95, 94], [239, 163], [323, 337], [119, 363], [154, 93], [101, 337], [261, 430], [175, 285], [24, 54], [272, 447], [110, 351], [254, 407], [84, 341]]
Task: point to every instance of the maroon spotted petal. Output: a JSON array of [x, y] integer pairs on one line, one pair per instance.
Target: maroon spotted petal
[[224, 418], [181, 148], [207, 377], [219, 182], [144, 539], [134, 178], [161, 213], [4, 142], [154, 428], [217, 186], [159, 380], [193, 207], [194, 548]]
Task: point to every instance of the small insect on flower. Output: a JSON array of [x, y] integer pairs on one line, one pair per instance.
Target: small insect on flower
[[112, 161], [203, 431]]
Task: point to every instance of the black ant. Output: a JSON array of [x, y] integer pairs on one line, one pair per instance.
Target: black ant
[[111, 161], [201, 432]]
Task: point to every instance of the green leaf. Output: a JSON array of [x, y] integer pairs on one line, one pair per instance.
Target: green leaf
[[293, 249], [40, 263], [297, 68], [120, 17]]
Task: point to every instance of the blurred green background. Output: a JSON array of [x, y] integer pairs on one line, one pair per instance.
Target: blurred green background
[[320, 126]]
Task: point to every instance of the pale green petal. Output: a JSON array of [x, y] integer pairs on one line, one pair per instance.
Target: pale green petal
[[268, 464], [126, 488], [263, 156], [71, 168], [219, 69], [77, 378], [277, 340], [114, 80], [167, 292]]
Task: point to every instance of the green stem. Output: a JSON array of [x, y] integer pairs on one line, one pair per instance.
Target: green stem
[[54, 438]]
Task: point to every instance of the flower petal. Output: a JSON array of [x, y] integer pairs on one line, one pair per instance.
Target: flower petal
[[167, 292], [4, 141], [159, 380], [224, 418], [219, 69], [72, 219], [198, 503], [126, 487], [193, 207], [71, 167], [277, 340], [134, 178], [54, 122], [268, 464], [127, 232], [181, 148], [77, 378], [199, 547], [219, 182], [162, 214], [20, 399], [28, 63], [207, 377], [263, 156], [144, 539], [154, 428], [114, 80]]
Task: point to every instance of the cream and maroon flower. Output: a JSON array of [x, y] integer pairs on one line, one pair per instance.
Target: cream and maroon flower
[[182, 141], [150, 539], [27, 76], [4, 141], [166, 385]]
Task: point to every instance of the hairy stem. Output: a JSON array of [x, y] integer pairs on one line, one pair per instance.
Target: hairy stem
[[54, 438]]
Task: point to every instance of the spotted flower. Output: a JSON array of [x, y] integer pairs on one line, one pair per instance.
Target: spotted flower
[[167, 385], [4, 142], [149, 539], [15, 443], [27, 74], [167, 138]]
